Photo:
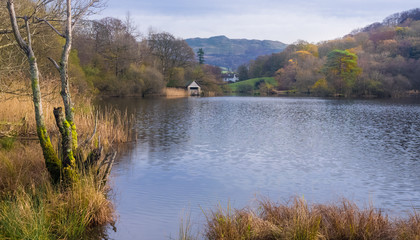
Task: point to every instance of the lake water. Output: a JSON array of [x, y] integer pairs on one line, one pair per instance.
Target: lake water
[[195, 153]]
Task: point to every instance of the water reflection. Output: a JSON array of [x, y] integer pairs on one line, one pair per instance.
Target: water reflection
[[197, 152]]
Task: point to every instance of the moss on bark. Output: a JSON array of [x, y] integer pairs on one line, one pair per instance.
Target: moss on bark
[[73, 135], [69, 166], [52, 162]]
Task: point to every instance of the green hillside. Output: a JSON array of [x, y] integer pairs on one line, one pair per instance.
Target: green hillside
[[230, 53]]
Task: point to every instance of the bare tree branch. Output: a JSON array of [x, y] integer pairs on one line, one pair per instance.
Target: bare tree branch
[[7, 45], [5, 31], [51, 26], [22, 44], [83, 10], [54, 63], [28, 31]]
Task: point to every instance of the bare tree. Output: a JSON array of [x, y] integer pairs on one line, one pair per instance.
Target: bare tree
[[67, 165], [170, 51], [52, 161]]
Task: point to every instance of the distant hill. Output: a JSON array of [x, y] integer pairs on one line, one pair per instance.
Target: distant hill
[[231, 53]]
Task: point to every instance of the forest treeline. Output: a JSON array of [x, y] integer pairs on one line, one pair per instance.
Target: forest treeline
[[109, 56], [382, 59], [115, 61]]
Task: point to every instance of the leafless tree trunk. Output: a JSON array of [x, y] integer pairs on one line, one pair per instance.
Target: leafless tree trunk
[[62, 68], [67, 167], [52, 162]]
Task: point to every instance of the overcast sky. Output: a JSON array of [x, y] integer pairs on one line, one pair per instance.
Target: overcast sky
[[281, 20]]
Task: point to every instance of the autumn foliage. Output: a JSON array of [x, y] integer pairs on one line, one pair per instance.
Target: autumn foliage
[[382, 60]]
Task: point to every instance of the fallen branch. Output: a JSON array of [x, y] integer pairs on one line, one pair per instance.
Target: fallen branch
[[88, 140], [109, 161]]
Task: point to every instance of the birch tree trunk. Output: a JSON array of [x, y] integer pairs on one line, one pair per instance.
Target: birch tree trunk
[[65, 89], [52, 161], [66, 125], [66, 168]]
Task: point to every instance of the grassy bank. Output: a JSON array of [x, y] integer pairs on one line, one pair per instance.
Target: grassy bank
[[299, 220], [30, 206], [253, 84]]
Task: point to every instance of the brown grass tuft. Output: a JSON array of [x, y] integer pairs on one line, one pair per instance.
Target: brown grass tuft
[[345, 220], [238, 224], [298, 220], [21, 167], [30, 206]]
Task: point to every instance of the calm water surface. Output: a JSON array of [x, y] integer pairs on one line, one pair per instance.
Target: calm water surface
[[195, 153]]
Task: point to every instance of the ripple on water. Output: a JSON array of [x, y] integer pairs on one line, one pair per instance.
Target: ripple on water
[[198, 152]]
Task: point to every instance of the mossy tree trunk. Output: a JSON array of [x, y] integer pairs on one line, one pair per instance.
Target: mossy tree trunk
[[68, 160], [64, 76], [66, 168], [63, 66], [52, 161]]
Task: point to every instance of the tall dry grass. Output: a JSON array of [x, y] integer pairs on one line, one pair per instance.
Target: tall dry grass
[[238, 224], [186, 231], [30, 206], [43, 212], [299, 220], [175, 92], [21, 167], [17, 118]]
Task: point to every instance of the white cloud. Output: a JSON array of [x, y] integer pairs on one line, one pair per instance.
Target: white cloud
[[264, 19], [281, 26]]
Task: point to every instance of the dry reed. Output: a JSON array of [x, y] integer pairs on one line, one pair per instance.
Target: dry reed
[[298, 220], [17, 118], [175, 92], [21, 167], [30, 206]]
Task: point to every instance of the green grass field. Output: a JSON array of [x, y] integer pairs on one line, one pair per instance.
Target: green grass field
[[252, 82]]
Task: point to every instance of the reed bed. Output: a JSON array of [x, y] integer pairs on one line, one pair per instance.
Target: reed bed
[[30, 206], [17, 118], [175, 92], [43, 212], [299, 220]]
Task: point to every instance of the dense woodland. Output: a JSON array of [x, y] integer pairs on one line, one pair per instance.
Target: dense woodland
[[109, 56], [382, 59]]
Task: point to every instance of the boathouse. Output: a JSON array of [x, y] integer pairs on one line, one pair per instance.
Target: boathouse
[[194, 89]]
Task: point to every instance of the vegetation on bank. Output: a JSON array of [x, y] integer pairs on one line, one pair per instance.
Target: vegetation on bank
[[111, 57], [120, 63], [54, 186], [380, 60], [297, 219], [262, 86], [31, 206]]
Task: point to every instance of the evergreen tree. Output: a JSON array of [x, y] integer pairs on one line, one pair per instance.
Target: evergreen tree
[[200, 54]]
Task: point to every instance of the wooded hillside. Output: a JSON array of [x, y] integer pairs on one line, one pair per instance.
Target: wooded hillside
[[382, 59]]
